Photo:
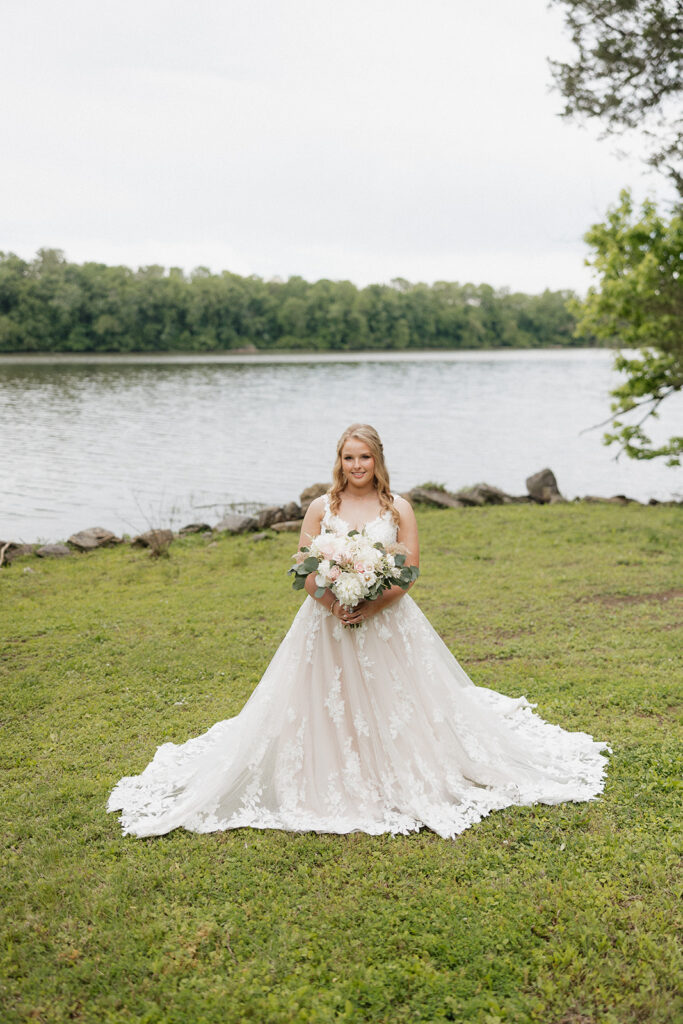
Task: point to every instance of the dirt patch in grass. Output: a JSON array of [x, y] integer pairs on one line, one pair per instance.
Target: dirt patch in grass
[[659, 596]]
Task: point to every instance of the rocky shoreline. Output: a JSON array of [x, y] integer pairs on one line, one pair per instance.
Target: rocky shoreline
[[542, 489]]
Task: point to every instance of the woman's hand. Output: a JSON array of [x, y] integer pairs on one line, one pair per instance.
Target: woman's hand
[[349, 616], [361, 613]]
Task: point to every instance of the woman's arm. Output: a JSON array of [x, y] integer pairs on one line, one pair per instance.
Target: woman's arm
[[310, 528]]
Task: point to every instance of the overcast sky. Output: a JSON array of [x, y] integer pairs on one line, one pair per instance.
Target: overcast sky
[[352, 139]]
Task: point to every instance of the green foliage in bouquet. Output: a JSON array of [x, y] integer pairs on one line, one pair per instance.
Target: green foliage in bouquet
[[407, 576]]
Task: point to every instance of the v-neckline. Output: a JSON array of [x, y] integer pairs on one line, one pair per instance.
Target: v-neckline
[[360, 529], [335, 515]]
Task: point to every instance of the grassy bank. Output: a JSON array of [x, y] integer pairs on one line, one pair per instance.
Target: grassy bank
[[549, 914]]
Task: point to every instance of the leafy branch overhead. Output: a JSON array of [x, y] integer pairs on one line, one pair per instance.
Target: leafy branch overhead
[[628, 73]]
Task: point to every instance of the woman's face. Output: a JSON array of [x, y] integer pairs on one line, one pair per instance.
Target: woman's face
[[358, 463]]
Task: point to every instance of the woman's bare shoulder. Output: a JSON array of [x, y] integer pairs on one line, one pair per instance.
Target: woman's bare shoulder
[[403, 506], [317, 506], [310, 526], [316, 510]]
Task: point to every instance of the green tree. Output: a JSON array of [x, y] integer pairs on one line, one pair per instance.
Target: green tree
[[639, 258], [627, 73], [51, 305]]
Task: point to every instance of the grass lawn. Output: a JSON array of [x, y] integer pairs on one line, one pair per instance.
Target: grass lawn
[[561, 915]]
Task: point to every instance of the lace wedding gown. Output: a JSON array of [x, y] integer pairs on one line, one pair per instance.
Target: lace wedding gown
[[373, 729]]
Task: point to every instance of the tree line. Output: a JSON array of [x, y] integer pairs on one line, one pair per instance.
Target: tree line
[[49, 304]]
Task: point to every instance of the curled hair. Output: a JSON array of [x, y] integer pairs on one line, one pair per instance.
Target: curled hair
[[369, 436]]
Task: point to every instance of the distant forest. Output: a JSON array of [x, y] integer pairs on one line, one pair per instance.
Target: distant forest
[[51, 305]]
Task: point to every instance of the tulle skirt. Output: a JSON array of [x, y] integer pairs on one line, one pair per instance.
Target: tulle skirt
[[375, 729]]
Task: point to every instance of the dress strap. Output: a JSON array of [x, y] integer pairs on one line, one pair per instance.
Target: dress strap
[[326, 506]]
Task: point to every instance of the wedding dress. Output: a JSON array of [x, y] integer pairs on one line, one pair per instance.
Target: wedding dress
[[373, 729]]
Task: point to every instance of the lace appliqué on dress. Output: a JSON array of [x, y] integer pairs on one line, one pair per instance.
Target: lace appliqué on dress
[[377, 729]]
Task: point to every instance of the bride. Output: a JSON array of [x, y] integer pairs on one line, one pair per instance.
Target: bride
[[372, 729]]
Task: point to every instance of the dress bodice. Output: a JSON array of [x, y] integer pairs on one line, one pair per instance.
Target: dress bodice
[[382, 528]]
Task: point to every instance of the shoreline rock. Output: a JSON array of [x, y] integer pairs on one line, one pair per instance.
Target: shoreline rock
[[235, 523], [542, 486], [484, 494], [309, 494], [54, 551], [433, 496], [157, 540], [95, 537], [193, 528], [291, 526]]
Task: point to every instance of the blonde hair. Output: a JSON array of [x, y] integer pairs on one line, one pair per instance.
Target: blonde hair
[[369, 436]]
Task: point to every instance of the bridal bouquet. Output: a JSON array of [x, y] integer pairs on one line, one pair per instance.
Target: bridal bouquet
[[353, 567]]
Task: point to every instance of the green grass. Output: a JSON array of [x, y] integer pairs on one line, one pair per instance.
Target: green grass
[[560, 915]]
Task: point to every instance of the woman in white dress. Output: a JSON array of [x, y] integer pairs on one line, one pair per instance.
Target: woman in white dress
[[372, 729]]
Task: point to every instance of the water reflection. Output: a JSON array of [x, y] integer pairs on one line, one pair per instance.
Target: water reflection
[[126, 443]]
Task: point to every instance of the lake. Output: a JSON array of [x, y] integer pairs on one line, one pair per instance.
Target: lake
[[128, 442]]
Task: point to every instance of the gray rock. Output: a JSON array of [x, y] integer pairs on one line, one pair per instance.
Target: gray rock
[[155, 539], [293, 526], [435, 498], [618, 499], [193, 528], [259, 536], [54, 551], [310, 493], [95, 537], [483, 494], [621, 499], [235, 523], [542, 486], [267, 516], [291, 511]]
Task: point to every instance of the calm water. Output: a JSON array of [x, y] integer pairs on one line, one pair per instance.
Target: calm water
[[128, 442]]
